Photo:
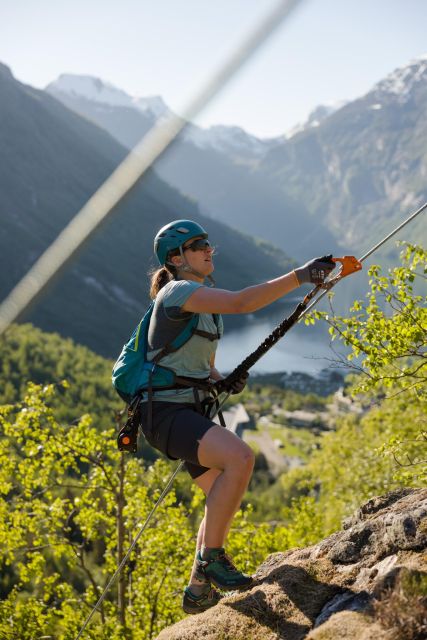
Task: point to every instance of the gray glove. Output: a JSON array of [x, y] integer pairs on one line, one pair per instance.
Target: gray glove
[[237, 386], [316, 270], [240, 384]]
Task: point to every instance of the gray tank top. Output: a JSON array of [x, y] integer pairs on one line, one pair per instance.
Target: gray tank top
[[167, 321]]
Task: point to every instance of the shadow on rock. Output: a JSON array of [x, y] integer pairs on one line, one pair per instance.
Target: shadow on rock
[[287, 601]]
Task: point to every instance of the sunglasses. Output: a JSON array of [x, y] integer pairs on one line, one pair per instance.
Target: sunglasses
[[201, 244]]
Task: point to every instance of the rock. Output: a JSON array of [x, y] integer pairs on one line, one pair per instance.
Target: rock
[[351, 586]]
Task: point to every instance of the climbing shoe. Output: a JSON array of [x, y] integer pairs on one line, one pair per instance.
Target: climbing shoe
[[198, 604], [221, 572]]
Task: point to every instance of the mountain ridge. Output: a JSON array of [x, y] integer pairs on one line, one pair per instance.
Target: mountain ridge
[[53, 162], [220, 176], [350, 167]]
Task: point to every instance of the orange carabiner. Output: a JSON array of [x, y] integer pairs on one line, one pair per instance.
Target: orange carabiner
[[349, 265]]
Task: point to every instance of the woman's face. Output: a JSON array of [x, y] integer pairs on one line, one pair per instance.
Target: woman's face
[[198, 254]]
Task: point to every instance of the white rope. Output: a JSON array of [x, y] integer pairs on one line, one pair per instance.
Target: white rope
[[101, 204]]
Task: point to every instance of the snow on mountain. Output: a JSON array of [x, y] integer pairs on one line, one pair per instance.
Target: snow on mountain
[[320, 113], [229, 139], [401, 82], [102, 92]]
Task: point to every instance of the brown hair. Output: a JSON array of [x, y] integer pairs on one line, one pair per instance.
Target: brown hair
[[160, 277]]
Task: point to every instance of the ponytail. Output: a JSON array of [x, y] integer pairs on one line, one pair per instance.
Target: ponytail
[[159, 278]]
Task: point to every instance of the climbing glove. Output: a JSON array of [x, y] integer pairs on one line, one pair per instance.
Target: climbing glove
[[316, 270], [239, 384], [236, 387]]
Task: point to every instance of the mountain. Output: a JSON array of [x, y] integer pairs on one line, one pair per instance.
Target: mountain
[[215, 166], [338, 182], [53, 160], [363, 169], [102, 102], [367, 581], [315, 117]]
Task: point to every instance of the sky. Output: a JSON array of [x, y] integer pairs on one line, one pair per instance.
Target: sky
[[327, 51]]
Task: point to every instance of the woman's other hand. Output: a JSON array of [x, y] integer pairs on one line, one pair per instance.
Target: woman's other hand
[[238, 385]]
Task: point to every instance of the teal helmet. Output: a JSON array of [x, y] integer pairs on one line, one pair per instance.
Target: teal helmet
[[174, 235]]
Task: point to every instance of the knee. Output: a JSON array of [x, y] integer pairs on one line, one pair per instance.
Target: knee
[[245, 461]]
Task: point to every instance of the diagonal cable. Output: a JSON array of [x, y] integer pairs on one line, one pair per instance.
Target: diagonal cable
[[125, 176]]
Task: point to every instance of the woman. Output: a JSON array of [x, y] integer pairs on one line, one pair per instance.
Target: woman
[[219, 462]]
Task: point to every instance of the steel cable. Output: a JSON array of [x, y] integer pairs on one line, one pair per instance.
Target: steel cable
[[299, 312]]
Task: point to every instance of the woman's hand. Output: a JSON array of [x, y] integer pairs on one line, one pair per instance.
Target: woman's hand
[[239, 384], [316, 270]]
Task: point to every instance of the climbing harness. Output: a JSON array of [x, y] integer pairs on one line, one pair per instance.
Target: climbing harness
[[134, 375], [349, 265]]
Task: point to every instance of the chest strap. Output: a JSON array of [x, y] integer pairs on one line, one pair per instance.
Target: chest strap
[[206, 334]]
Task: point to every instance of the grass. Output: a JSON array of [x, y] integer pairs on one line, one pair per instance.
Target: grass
[[296, 442]]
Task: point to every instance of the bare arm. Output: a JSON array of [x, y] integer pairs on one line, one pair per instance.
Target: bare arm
[[206, 300], [215, 374]]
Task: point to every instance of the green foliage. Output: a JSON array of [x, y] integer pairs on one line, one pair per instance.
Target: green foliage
[[70, 504], [388, 333], [385, 448], [28, 354], [67, 495], [261, 538]]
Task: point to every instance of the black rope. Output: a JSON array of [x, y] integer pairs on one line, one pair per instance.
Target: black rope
[[278, 333], [269, 342]]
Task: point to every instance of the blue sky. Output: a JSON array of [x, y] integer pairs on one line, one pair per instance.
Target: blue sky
[[328, 50]]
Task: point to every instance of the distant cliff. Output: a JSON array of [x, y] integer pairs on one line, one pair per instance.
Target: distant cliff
[[367, 581]]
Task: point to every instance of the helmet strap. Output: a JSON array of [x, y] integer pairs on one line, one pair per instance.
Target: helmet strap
[[186, 267]]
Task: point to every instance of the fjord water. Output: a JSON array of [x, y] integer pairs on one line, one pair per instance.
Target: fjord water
[[304, 348]]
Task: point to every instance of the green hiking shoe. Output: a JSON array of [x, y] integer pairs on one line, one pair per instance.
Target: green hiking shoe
[[197, 604], [222, 573]]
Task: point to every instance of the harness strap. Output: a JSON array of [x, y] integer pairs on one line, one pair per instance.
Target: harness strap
[[150, 404], [206, 334]]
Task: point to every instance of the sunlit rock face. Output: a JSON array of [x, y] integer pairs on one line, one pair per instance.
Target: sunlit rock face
[[368, 581]]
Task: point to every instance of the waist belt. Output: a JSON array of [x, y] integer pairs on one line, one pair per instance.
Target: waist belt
[[127, 438]]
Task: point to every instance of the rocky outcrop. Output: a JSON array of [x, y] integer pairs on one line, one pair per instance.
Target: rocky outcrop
[[365, 582]]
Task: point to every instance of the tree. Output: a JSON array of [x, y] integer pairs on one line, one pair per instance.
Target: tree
[[388, 333], [70, 503], [385, 447]]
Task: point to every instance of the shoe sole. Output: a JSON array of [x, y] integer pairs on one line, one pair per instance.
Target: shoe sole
[[222, 587], [196, 611]]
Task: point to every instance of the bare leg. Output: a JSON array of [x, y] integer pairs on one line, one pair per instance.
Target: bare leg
[[222, 450]]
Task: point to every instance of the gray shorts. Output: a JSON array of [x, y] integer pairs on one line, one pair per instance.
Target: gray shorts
[[176, 431]]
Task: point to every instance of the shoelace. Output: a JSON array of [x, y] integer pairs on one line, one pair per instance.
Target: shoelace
[[226, 560]]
